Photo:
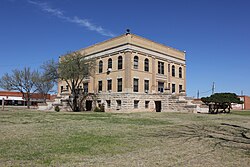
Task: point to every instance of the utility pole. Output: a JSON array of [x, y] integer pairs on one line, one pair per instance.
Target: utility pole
[[213, 88], [198, 94]]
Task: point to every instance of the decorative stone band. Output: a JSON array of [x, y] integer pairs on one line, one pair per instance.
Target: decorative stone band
[[130, 47]]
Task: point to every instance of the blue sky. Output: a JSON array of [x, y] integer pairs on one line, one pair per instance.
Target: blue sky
[[215, 34]]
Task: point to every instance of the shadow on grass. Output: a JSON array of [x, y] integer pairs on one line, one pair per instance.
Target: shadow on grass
[[222, 135]]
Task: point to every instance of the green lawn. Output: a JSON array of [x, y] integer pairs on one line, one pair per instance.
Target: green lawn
[[35, 138], [240, 112]]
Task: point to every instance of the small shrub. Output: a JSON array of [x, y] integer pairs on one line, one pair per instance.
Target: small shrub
[[57, 108], [97, 109], [101, 108]]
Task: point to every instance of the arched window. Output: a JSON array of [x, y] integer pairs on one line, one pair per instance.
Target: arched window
[[100, 66], [173, 71], [180, 72], [146, 65], [136, 59], [109, 63], [119, 62]]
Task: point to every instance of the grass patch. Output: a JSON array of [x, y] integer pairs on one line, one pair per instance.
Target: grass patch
[[241, 112], [35, 138]]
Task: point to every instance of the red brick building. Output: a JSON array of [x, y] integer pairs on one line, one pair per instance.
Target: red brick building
[[245, 105], [17, 99]]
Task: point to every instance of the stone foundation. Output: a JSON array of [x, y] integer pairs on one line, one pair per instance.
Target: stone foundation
[[167, 102]]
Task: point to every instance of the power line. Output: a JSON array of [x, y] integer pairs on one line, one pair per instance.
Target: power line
[[205, 92]]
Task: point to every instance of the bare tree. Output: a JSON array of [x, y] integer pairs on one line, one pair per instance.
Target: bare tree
[[44, 85], [73, 68], [50, 69], [22, 81]]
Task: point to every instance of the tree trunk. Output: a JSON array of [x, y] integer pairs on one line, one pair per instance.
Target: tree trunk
[[74, 105], [44, 98], [3, 104], [28, 100]]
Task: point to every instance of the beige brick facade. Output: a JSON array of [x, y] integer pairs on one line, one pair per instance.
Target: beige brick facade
[[150, 75]]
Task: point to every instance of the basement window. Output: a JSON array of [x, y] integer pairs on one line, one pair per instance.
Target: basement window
[[108, 103], [136, 103], [146, 104]]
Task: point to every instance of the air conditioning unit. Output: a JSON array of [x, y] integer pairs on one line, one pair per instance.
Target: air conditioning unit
[[146, 91]]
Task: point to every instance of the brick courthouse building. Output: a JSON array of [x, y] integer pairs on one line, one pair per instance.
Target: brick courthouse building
[[134, 74]]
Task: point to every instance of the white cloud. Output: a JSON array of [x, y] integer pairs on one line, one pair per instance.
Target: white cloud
[[82, 22]]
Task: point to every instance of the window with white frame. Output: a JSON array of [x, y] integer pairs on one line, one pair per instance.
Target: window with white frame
[[146, 65], [119, 85], [136, 61], [110, 63], [99, 86], [119, 62], [86, 87], [109, 88], [180, 72], [173, 71], [146, 86], [173, 88], [160, 67], [160, 87], [136, 84], [100, 66]]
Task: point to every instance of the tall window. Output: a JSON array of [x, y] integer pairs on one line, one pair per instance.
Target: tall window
[[173, 71], [136, 59], [136, 85], [169, 68], [119, 62], [109, 63], [160, 86], [146, 86], [160, 67], [100, 66], [85, 87], [180, 88], [173, 88], [109, 85], [180, 72], [119, 85], [146, 65], [99, 86]]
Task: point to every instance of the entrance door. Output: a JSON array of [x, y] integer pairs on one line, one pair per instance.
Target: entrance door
[[88, 105], [158, 106]]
